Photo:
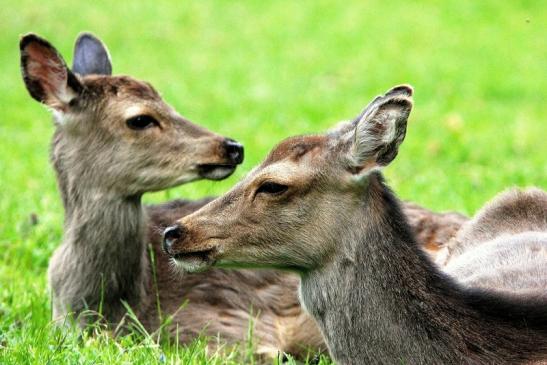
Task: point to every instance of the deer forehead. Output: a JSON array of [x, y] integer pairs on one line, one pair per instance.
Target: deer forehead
[[287, 172], [293, 161], [296, 148], [121, 86]]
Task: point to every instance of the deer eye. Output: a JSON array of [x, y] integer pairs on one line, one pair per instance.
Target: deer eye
[[141, 122], [272, 188]]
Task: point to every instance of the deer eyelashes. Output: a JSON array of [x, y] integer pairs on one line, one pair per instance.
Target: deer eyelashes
[[271, 188], [142, 122]]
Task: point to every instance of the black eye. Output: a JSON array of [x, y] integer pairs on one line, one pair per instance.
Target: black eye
[[141, 122], [272, 188]]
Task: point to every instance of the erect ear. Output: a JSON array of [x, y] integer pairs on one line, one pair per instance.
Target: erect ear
[[45, 73], [380, 129], [91, 56]]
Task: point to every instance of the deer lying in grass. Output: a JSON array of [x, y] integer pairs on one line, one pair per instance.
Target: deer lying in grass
[[116, 139], [318, 206]]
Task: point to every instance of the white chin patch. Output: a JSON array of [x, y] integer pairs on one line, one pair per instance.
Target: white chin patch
[[217, 173], [221, 172], [191, 265], [187, 177]]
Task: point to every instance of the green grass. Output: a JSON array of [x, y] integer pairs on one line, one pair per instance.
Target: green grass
[[259, 72]]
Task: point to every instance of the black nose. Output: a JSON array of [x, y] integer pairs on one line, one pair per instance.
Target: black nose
[[170, 236], [234, 151]]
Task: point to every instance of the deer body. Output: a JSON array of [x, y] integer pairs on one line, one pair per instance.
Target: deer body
[[318, 206], [503, 247], [115, 140]]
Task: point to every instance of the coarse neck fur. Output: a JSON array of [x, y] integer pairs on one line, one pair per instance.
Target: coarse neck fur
[[380, 301]]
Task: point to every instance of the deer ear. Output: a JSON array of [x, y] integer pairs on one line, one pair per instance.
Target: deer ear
[[91, 56], [45, 73], [380, 129]]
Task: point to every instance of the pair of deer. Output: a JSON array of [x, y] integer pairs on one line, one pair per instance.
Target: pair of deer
[[317, 207]]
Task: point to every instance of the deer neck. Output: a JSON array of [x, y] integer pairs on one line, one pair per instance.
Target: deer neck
[[380, 299], [103, 259], [109, 225]]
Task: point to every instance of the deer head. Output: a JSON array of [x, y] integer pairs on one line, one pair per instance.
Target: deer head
[[292, 210], [115, 134]]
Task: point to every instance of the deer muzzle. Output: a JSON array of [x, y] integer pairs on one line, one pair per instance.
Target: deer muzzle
[[232, 155], [176, 244]]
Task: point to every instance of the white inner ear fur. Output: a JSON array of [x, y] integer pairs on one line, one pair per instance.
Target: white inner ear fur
[[389, 120], [364, 143], [371, 132], [66, 94]]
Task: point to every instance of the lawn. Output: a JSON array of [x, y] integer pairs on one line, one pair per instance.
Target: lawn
[[258, 72]]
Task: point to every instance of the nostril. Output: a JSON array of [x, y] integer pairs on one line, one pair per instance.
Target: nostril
[[170, 236], [234, 151]]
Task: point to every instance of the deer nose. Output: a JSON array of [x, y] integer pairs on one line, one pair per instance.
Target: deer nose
[[170, 236], [234, 151]]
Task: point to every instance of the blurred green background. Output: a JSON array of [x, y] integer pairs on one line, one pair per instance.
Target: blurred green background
[[258, 72]]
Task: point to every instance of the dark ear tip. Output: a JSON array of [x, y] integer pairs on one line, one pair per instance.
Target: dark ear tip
[[404, 89], [84, 36], [32, 38]]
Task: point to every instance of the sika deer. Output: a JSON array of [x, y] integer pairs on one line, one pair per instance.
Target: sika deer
[[318, 206], [116, 139]]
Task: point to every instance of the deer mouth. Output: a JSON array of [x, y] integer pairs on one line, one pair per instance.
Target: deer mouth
[[194, 261], [216, 171]]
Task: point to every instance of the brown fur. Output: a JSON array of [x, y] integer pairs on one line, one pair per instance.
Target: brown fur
[[103, 168], [225, 301], [433, 230], [295, 148], [375, 295]]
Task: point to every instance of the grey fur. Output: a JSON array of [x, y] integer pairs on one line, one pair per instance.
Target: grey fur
[[376, 296], [103, 168], [504, 247], [376, 310], [104, 255]]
